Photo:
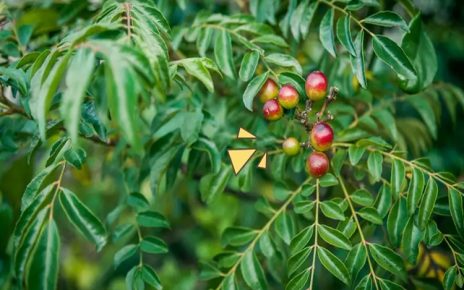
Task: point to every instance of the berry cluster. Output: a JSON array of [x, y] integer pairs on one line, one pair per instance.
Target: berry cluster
[[320, 133]]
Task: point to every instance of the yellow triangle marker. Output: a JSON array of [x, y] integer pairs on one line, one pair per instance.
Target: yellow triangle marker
[[244, 134], [239, 158], [263, 162]]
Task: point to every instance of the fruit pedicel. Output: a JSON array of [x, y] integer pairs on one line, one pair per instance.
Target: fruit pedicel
[[320, 132]]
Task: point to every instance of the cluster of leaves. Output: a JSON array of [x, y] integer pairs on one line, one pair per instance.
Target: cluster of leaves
[[36, 239], [125, 81]]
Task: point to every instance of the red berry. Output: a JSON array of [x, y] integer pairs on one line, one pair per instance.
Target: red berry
[[272, 110], [288, 97], [268, 91], [291, 146], [317, 164], [321, 136], [316, 86]]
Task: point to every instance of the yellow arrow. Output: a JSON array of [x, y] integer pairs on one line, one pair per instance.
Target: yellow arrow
[[244, 134], [239, 158], [263, 162]]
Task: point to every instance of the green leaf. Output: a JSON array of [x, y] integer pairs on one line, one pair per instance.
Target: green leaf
[[252, 272], [415, 190], [374, 164], [134, 280], [328, 180], [301, 240], [266, 246], [337, 161], [33, 187], [152, 219], [326, 34], [30, 235], [370, 214], [425, 110], [427, 203], [358, 62], [249, 64], [285, 226], [252, 90], [334, 237], [303, 206], [344, 34], [77, 80], [387, 120], [389, 52], [419, 48], [332, 210], [307, 18], [347, 227], [213, 184], [137, 201], [284, 60], [456, 210], [397, 177], [384, 200], [124, 253], [30, 212], [209, 147], [83, 219], [122, 231], [362, 197], [150, 277], [299, 281], [75, 157], [229, 282], [153, 245], [238, 236], [43, 271], [209, 271], [355, 153], [44, 85], [450, 278], [296, 17], [387, 259], [386, 19], [412, 236], [334, 265], [433, 236], [57, 150], [271, 39], [396, 221], [223, 53], [196, 68], [356, 259], [123, 90], [389, 285], [204, 40], [297, 260]]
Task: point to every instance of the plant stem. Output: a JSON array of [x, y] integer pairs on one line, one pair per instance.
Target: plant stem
[[316, 225], [140, 237], [361, 234], [262, 231], [355, 20], [58, 187], [411, 164]]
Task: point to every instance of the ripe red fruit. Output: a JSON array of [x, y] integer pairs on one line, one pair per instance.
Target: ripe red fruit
[[268, 91], [272, 110], [288, 97], [291, 146], [317, 164], [316, 86], [321, 136]]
